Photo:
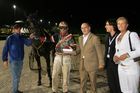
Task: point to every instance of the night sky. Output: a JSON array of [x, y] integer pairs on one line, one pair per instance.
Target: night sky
[[74, 13]]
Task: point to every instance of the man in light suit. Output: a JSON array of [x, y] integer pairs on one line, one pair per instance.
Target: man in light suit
[[91, 57]]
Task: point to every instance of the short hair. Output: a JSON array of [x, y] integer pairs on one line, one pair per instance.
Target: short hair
[[16, 26], [87, 23], [122, 18]]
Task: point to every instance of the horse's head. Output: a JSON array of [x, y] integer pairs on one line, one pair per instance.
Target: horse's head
[[35, 28]]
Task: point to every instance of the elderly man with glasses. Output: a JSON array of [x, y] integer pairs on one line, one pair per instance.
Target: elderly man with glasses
[[62, 60]]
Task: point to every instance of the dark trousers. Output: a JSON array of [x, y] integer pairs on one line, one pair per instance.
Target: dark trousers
[[113, 79]]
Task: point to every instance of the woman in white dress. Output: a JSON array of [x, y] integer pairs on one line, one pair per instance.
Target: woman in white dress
[[129, 71]]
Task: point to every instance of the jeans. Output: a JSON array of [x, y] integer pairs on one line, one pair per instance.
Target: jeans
[[16, 68]]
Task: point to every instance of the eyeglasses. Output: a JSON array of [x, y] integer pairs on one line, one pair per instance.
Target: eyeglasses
[[63, 27]]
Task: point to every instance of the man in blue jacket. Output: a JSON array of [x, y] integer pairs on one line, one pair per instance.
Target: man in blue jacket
[[14, 48]]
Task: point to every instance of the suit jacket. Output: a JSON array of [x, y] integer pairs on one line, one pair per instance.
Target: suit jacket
[[92, 52]]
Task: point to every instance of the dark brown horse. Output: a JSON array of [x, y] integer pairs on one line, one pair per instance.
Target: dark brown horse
[[41, 46]]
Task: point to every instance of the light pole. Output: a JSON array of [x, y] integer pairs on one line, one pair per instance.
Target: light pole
[[14, 7]]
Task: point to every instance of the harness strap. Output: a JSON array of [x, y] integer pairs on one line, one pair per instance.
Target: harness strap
[[42, 40]]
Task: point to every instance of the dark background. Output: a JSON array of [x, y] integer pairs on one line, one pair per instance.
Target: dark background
[[74, 12]]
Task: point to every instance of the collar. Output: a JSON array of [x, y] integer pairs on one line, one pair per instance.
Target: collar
[[84, 36]]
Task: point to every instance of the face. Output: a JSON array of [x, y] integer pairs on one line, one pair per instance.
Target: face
[[85, 28], [122, 25], [109, 28], [63, 30], [17, 30]]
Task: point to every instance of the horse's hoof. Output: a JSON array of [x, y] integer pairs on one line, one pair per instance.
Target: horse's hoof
[[39, 83]]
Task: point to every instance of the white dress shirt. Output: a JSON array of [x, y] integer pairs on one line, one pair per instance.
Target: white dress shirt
[[85, 37]]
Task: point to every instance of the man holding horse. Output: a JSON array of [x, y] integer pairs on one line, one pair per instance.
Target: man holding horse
[[14, 48]]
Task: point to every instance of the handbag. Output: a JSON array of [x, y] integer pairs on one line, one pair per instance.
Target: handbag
[[137, 58]]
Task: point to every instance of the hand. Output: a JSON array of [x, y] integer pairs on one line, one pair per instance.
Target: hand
[[5, 64], [73, 46], [116, 59], [32, 36], [123, 57], [101, 67]]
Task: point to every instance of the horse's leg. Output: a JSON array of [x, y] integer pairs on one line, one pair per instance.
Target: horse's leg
[[48, 69], [39, 69]]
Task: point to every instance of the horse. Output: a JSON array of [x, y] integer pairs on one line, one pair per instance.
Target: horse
[[41, 46]]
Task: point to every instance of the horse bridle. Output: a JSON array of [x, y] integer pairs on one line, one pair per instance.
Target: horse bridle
[[42, 40]]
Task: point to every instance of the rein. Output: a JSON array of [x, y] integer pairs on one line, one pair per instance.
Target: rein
[[42, 40]]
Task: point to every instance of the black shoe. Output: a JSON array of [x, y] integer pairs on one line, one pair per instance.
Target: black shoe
[[20, 91]]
